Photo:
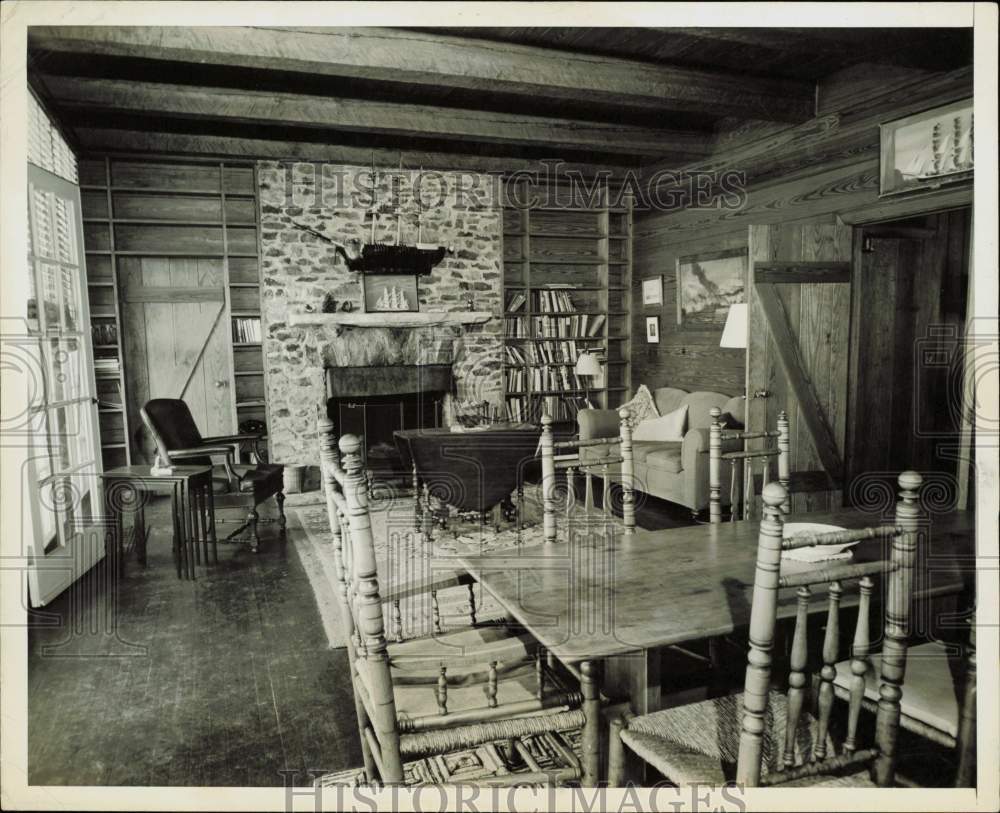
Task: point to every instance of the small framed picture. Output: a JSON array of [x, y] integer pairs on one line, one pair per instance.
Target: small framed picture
[[652, 290], [385, 293], [653, 329]]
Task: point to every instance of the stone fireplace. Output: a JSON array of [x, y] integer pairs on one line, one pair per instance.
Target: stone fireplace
[[299, 270]]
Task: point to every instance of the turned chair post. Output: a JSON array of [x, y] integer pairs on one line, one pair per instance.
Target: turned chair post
[[548, 482], [897, 627], [328, 463], [715, 467], [784, 460], [966, 740], [369, 611], [763, 611], [628, 471]]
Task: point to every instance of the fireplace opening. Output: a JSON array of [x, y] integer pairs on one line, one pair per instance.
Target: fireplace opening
[[375, 402]]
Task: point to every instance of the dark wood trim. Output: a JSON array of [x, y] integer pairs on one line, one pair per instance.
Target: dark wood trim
[[802, 272], [811, 410]]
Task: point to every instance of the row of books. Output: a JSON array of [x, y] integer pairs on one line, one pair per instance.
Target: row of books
[[107, 365], [558, 301], [549, 352], [548, 377], [531, 407], [579, 325], [246, 329], [516, 327]]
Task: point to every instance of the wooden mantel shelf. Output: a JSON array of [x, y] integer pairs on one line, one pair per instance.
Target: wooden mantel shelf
[[390, 319]]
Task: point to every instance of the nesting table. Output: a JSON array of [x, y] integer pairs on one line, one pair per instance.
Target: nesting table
[[126, 488]]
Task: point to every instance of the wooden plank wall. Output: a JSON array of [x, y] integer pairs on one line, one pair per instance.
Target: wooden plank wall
[[822, 171]]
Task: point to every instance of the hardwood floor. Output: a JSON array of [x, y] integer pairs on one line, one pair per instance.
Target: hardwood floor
[[225, 681]]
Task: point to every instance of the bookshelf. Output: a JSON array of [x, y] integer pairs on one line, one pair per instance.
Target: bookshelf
[[567, 289], [182, 225]]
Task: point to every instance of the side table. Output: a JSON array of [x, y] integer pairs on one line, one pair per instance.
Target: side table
[[192, 509]]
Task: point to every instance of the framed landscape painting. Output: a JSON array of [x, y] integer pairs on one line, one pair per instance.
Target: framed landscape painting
[[707, 284]]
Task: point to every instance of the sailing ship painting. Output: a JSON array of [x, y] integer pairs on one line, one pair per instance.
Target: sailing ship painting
[[928, 149], [387, 293]]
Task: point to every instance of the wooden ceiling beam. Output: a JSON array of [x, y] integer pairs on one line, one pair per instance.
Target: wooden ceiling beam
[[423, 58], [105, 139], [355, 115]]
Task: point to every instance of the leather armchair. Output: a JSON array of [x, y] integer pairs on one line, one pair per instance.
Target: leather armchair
[[235, 485]]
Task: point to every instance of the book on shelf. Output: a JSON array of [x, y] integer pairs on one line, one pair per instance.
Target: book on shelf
[[246, 329], [596, 325], [516, 303]]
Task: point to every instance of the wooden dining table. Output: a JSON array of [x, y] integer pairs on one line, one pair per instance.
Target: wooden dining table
[[606, 602]]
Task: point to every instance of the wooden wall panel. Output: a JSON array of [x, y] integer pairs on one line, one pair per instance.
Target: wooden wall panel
[[822, 171]]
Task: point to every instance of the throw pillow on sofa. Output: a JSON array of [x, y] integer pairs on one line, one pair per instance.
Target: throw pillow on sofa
[[641, 407], [669, 427]]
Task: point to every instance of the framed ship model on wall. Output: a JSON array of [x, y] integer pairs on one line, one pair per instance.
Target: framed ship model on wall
[[927, 150], [391, 293]]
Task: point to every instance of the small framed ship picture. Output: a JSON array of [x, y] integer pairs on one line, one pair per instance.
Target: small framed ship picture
[[387, 293]]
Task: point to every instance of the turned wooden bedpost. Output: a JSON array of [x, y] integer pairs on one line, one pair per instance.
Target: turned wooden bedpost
[[897, 627], [628, 471], [548, 482], [369, 610], [715, 467], [763, 612], [784, 459]]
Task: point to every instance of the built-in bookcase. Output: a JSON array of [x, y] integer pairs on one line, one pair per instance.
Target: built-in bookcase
[[567, 290], [195, 225]]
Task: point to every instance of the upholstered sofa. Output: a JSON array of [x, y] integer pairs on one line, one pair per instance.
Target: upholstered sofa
[[671, 470]]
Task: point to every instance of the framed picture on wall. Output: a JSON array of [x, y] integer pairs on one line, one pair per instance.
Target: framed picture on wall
[[388, 293], [927, 150], [652, 329], [652, 290], [707, 284]]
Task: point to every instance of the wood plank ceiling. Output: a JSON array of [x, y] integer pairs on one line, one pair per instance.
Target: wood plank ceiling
[[478, 98]]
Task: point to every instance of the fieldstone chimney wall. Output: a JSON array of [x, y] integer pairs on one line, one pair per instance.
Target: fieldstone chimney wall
[[299, 269]]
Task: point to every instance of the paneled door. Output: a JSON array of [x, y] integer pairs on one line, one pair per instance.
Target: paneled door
[[176, 343], [63, 504], [799, 294]]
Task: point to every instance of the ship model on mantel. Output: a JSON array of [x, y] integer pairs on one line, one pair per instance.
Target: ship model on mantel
[[386, 258]]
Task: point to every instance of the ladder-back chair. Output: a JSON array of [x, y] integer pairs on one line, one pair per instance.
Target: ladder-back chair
[[550, 448], [764, 736], [741, 488], [443, 693]]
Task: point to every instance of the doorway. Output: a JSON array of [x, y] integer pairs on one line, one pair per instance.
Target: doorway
[[909, 301]]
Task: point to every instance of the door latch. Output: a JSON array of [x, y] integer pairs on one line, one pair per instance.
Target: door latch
[[761, 394]]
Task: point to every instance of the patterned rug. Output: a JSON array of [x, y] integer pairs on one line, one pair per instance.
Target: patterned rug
[[475, 765]]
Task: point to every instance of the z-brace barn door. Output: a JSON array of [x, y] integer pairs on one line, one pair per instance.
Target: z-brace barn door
[[797, 350], [176, 341]]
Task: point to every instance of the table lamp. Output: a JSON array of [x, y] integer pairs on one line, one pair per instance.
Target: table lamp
[[587, 367], [734, 334]]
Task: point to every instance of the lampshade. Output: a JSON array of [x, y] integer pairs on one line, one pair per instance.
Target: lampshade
[[588, 364], [735, 332]]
